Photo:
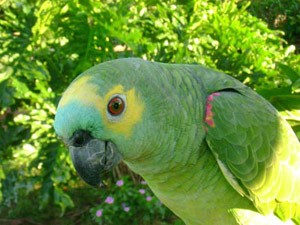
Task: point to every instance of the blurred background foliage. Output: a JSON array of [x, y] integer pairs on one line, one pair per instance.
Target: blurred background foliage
[[45, 44]]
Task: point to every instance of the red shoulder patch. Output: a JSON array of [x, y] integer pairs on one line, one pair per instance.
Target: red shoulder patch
[[208, 109]]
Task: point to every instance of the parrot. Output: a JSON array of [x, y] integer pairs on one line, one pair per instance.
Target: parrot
[[210, 148]]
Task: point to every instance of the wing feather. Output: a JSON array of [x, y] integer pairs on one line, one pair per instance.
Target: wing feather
[[259, 150]]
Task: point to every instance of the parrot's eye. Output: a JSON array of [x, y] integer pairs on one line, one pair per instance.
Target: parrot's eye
[[116, 106]]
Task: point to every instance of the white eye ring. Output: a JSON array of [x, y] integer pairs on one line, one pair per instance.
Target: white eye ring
[[116, 107]]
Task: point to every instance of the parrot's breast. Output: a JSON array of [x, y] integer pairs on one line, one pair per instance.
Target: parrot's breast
[[198, 194]]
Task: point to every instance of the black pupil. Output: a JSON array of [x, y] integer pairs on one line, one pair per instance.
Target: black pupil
[[116, 105]]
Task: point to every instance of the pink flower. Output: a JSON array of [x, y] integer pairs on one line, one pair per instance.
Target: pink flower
[[99, 212], [125, 207], [120, 183], [109, 200], [143, 182], [142, 191], [148, 198]]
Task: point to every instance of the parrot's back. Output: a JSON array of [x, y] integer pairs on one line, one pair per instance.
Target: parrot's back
[[256, 149]]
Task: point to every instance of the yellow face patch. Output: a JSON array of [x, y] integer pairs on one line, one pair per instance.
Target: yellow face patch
[[87, 94], [132, 114]]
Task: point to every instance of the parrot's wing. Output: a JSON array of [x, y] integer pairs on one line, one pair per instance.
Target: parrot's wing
[[256, 150]]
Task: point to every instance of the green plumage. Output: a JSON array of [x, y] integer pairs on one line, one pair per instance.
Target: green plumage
[[210, 148], [260, 151]]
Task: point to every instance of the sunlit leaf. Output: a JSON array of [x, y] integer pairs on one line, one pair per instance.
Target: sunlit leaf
[[296, 86]]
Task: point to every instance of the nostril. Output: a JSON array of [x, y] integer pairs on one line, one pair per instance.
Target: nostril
[[80, 138], [79, 141]]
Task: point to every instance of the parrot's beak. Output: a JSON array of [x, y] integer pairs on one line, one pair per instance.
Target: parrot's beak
[[92, 157]]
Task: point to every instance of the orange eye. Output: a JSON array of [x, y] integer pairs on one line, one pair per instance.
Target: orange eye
[[116, 106]]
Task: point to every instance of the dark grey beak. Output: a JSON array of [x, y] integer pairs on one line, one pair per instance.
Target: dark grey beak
[[92, 157]]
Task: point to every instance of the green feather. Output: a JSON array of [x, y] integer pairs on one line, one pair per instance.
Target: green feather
[[238, 165], [257, 154]]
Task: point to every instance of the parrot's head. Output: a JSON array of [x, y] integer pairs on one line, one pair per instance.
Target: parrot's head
[[118, 110]]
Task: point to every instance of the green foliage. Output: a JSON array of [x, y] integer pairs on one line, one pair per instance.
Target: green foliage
[[29, 150], [46, 43], [134, 204], [280, 14]]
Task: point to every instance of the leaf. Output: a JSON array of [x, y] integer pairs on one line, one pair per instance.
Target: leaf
[[289, 72], [6, 94], [289, 107], [12, 136], [286, 102], [268, 93], [62, 199], [2, 177], [296, 86], [5, 72]]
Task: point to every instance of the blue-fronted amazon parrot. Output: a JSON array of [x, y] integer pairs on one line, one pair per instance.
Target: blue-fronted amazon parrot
[[210, 148]]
